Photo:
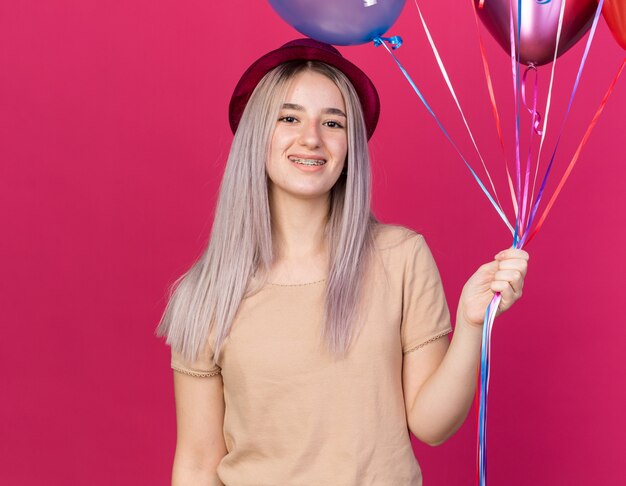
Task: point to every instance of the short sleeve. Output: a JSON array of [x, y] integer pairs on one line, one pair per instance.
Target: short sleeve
[[425, 314], [203, 367]]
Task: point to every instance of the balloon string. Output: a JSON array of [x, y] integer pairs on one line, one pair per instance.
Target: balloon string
[[379, 41], [516, 97], [535, 118], [483, 390], [477, 408], [494, 106], [548, 101], [493, 306], [512, 191], [569, 106], [446, 77], [577, 153]]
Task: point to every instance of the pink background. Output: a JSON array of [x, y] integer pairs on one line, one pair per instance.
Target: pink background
[[113, 138]]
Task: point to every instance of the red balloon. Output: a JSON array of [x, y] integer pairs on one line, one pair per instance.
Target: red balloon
[[540, 22], [614, 12]]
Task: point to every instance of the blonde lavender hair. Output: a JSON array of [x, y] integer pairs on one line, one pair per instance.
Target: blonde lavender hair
[[207, 296]]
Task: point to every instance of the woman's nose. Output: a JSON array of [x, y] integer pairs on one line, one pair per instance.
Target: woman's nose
[[310, 135]]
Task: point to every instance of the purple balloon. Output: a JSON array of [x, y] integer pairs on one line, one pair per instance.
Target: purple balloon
[[340, 22]]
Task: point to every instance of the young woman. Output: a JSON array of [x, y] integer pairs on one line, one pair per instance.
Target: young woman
[[309, 339]]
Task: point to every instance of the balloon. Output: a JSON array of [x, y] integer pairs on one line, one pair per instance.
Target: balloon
[[340, 22], [614, 12], [540, 22]]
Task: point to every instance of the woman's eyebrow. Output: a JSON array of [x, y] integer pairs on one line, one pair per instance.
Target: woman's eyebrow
[[334, 111], [292, 106], [326, 111]]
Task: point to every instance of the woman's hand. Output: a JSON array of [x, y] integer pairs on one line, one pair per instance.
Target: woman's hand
[[505, 275]]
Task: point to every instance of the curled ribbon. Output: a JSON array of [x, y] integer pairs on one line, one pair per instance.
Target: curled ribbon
[[536, 116]]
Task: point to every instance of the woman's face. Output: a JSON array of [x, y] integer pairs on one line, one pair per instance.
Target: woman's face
[[310, 141]]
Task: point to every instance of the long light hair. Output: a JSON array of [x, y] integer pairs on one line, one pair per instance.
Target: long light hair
[[208, 295]]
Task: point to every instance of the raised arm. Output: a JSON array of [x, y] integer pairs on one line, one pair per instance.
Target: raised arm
[[200, 438], [439, 379]]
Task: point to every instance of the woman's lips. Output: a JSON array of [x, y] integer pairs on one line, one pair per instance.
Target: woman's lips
[[307, 160]]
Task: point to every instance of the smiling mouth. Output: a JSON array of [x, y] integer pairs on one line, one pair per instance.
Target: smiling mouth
[[309, 162]]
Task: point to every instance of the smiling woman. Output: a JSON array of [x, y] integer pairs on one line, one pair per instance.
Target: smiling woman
[[309, 339]]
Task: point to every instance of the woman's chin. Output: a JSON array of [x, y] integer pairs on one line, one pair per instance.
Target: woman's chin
[[307, 193]]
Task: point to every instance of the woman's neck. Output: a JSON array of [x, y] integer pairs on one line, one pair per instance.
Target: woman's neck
[[298, 226]]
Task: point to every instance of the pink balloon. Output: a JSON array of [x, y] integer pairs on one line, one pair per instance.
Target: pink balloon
[[539, 26]]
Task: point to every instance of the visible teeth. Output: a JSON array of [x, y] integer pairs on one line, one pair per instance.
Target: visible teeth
[[307, 161]]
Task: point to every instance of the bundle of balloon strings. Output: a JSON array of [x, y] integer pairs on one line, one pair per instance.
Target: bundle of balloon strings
[[525, 207]]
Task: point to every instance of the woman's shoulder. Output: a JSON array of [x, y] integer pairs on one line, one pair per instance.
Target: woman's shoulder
[[388, 236]]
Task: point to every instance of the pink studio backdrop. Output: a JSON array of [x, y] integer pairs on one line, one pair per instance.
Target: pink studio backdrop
[[113, 138]]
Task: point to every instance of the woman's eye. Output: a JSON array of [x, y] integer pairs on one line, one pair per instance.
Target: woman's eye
[[333, 124], [288, 119]]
